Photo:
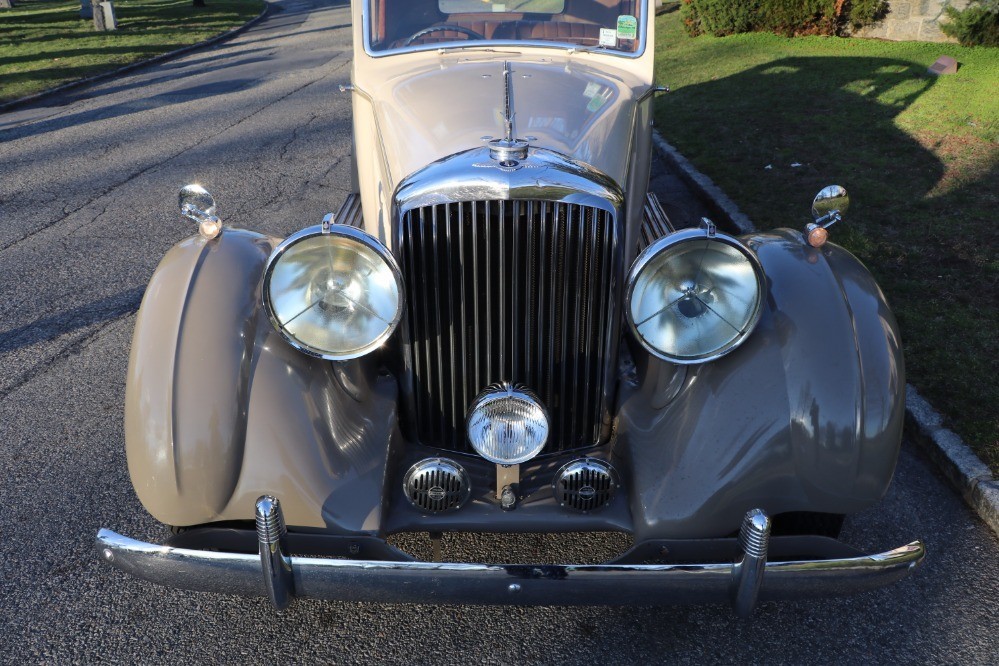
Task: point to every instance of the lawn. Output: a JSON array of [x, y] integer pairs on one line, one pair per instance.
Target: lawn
[[44, 43], [919, 155]]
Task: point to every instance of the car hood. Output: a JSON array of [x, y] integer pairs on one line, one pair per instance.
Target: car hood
[[439, 108]]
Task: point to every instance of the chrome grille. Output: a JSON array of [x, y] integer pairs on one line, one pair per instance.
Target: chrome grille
[[516, 291]]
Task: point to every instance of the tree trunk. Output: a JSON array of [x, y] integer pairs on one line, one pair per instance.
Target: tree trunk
[[6, 4]]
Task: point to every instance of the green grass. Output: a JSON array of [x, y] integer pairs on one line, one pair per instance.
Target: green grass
[[44, 43], [919, 155]]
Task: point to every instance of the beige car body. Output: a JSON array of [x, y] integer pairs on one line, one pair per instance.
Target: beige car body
[[405, 115], [221, 410], [264, 449]]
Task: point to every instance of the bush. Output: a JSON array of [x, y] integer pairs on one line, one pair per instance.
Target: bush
[[786, 17], [720, 17], [977, 25], [866, 12]]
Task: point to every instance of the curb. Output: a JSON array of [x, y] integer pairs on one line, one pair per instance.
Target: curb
[[965, 471], [704, 186], [96, 78]]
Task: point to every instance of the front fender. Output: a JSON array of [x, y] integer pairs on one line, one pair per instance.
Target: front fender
[[807, 415], [219, 409]]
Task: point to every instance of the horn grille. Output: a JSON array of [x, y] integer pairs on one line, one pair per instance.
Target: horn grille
[[584, 485], [436, 485]]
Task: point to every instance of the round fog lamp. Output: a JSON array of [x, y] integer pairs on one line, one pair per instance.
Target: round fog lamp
[[692, 297], [336, 294], [507, 425]]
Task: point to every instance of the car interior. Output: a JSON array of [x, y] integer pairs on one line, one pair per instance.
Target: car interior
[[397, 24]]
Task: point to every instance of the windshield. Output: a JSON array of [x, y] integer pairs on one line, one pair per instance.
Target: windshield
[[614, 25]]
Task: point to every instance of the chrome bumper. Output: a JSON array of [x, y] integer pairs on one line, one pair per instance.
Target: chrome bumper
[[281, 577]]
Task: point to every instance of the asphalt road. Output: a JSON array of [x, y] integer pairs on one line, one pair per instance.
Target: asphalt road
[[88, 186]]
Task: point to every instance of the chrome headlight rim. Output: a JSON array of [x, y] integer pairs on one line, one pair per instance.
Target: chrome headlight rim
[[677, 238], [352, 233], [502, 391]]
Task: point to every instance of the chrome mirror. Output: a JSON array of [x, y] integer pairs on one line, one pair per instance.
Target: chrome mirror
[[830, 200], [827, 209], [198, 205]]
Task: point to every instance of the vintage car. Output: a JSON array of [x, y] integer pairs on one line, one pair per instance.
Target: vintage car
[[500, 331]]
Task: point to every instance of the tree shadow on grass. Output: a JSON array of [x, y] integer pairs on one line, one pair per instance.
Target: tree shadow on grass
[[139, 50], [922, 216]]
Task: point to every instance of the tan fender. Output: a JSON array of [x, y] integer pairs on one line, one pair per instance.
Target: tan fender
[[806, 416], [219, 409]]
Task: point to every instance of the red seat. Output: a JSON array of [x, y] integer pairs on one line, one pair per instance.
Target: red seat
[[586, 34]]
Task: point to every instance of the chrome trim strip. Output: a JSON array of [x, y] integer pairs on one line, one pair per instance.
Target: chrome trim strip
[[653, 90], [430, 582], [474, 175], [350, 212], [655, 223], [351, 88], [487, 45]]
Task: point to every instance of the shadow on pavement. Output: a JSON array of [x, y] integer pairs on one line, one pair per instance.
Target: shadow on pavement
[[48, 328]]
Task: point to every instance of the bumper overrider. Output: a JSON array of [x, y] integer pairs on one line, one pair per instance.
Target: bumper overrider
[[274, 573]]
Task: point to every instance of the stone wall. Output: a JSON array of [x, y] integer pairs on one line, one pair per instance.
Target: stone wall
[[912, 20]]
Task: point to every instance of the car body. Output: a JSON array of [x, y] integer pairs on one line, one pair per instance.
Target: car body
[[500, 331]]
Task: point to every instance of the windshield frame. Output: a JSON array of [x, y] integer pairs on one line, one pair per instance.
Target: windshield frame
[[495, 44]]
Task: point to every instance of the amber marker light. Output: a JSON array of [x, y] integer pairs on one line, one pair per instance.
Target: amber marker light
[[817, 236], [210, 229]]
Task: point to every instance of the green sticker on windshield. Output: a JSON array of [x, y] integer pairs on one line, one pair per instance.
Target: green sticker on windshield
[[627, 27]]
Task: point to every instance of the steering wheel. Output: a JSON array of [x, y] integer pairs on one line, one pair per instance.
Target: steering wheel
[[443, 27]]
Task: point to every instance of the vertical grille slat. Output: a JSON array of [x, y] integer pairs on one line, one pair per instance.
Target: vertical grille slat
[[528, 292], [434, 260], [565, 352], [489, 300], [606, 278], [515, 291], [504, 349], [512, 317], [454, 340], [477, 331], [552, 302], [543, 281], [464, 304]]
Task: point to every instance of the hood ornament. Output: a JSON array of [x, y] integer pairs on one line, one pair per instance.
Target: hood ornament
[[508, 150]]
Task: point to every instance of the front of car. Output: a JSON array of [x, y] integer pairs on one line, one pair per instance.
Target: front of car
[[500, 331]]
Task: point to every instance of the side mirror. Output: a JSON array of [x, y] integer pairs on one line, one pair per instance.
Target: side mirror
[[831, 199], [198, 205], [827, 209]]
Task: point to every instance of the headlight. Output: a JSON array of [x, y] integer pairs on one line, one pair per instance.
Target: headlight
[[692, 297], [334, 294], [507, 425]]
